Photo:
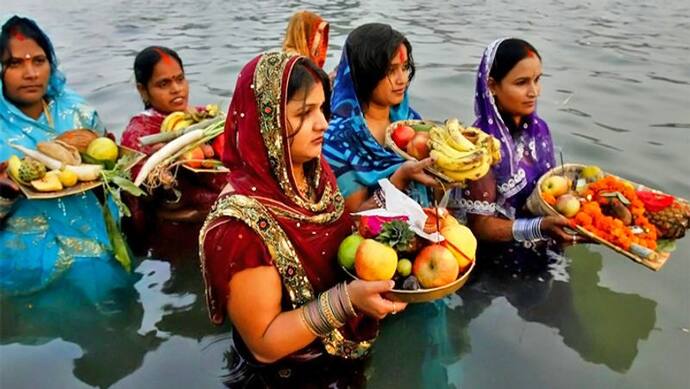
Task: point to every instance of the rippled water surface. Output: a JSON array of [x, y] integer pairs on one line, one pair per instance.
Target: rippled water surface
[[616, 93]]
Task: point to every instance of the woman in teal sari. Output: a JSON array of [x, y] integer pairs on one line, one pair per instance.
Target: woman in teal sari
[[370, 93], [43, 240]]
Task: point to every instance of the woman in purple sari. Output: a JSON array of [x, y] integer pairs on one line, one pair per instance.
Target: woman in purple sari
[[508, 84]]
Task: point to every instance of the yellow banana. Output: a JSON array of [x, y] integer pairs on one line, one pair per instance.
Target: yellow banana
[[182, 124], [472, 174], [170, 121], [458, 141], [451, 152], [446, 163], [495, 151]]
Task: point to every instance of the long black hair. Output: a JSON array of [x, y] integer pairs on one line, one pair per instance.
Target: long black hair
[[30, 30], [509, 53], [146, 61], [370, 49]]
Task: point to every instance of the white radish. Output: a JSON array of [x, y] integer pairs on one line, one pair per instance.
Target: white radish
[[167, 151], [84, 172], [51, 163]]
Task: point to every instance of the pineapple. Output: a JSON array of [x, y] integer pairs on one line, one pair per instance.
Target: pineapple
[[398, 235], [671, 221]]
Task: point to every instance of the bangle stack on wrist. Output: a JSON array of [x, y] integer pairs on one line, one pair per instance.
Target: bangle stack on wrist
[[329, 311], [379, 198], [527, 229]]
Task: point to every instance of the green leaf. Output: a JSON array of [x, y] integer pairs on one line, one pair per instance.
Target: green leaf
[[666, 246], [120, 248], [127, 185]]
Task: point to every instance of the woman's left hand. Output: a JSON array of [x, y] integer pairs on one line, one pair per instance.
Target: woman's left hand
[[414, 171]]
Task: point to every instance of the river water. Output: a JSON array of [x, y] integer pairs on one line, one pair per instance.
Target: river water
[[616, 93]]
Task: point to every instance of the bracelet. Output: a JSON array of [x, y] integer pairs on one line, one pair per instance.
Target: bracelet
[[379, 198], [527, 229], [328, 312], [348, 301], [6, 206], [307, 323], [314, 320]]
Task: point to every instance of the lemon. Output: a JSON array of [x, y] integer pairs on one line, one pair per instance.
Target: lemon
[[13, 165], [102, 149], [68, 178]]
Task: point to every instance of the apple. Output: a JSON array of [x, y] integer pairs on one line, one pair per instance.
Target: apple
[[402, 135], [462, 243], [404, 267], [418, 147], [567, 205], [193, 157], [435, 266], [555, 185], [375, 261], [347, 251]]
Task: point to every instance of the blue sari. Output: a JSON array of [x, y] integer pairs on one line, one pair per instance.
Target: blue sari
[[357, 159], [42, 240]]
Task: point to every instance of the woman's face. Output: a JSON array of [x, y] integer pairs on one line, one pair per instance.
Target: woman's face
[[390, 90], [26, 72], [168, 90], [306, 124], [517, 92]]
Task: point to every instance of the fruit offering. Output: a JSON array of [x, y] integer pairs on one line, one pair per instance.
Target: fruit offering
[[617, 212], [76, 156], [387, 248], [460, 153]]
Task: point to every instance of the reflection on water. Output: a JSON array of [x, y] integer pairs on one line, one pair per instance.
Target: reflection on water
[[615, 93]]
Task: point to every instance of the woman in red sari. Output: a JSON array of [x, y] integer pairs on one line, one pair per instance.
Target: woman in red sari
[[174, 212], [268, 248]]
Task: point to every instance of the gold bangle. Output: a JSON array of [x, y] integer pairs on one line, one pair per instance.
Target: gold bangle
[[349, 305], [305, 320], [327, 312]]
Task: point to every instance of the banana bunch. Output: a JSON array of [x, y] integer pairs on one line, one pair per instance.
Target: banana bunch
[[463, 153], [182, 119]]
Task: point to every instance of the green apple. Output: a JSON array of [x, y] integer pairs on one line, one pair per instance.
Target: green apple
[[347, 251], [555, 185], [404, 267]]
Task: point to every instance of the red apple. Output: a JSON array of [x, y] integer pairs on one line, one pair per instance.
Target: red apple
[[435, 266], [402, 135], [418, 147], [567, 205]]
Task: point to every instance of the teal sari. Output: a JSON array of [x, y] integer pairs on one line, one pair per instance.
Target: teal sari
[[42, 240]]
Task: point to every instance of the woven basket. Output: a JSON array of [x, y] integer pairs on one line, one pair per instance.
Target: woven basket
[[447, 181], [538, 206]]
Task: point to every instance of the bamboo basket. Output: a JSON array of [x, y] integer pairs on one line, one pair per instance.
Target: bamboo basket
[[447, 181], [537, 205]]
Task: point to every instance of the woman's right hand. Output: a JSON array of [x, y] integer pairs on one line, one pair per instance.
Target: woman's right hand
[[8, 188], [414, 171], [366, 297], [553, 226]]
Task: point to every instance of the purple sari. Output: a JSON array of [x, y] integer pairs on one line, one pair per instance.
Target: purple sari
[[527, 152]]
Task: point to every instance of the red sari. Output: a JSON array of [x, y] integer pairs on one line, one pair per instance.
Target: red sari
[[262, 219], [167, 229]]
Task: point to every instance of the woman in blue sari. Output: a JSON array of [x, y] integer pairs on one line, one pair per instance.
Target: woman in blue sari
[[370, 93], [44, 240]]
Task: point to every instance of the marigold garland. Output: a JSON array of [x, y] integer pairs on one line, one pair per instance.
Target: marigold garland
[[609, 228]]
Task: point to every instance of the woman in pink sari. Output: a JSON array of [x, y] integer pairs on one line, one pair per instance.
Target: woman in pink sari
[[167, 221]]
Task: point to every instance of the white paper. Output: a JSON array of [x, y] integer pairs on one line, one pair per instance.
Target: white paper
[[399, 203]]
